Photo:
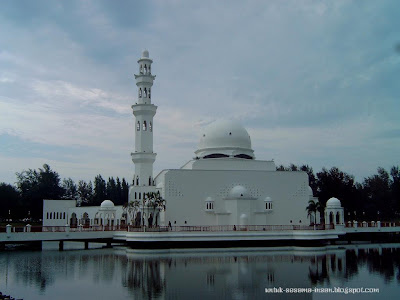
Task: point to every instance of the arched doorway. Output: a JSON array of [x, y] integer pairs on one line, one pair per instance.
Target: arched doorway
[[331, 220], [85, 220], [73, 222]]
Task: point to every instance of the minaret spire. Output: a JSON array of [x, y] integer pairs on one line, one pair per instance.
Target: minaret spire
[[144, 111]]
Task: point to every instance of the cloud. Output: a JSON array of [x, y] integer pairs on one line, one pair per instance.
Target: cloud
[[313, 81]]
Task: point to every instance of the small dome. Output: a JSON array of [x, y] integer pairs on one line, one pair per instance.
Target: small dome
[[333, 202], [160, 185], [268, 199], [225, 138], [239, 192], [209, 199], [145, 53], [107, 204]]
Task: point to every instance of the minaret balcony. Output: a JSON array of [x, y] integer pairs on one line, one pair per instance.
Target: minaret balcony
[[138, 157], [144, 78], [144, 109]]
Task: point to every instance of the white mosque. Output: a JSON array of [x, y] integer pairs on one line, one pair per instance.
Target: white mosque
[[223, 185]]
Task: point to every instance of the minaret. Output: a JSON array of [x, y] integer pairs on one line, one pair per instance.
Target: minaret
[[144, 111]]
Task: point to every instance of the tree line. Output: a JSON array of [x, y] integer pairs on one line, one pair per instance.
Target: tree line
[[377, 196], [25, 199]]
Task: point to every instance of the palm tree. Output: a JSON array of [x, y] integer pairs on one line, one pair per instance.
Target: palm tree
[[130, 209], [155, 201], [311, 209]]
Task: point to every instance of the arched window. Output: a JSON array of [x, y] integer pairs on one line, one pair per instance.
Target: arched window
[[144, 126], [209, 204], [138, 126], [57, 216], [150, 180], [137, 180], [64, 215], [51, 216], [145, 93], [149, 94], [140, 93], [331, 218], [141, 69], [135, 195], [145, 69], [150, 127], [140, 196], [337, 218], [47, 215], [268, 204]]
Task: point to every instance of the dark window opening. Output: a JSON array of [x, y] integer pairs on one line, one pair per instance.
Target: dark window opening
[[144, 125], [245, 156], [216, 155], [150, 127], [138, 126], [140, 93]]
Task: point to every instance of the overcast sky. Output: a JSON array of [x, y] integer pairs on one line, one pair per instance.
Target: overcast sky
[[314, 82]]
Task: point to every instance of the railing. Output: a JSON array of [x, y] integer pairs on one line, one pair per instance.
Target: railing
[[79, 228], [130, 228], [364, 224], [219, 228]]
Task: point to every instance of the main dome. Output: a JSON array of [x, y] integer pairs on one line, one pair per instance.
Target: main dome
[[225, 138]]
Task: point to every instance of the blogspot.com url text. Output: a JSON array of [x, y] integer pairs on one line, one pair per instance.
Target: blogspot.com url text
[[333, 290]]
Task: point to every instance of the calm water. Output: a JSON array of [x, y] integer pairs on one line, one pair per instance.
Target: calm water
[[200, 274]]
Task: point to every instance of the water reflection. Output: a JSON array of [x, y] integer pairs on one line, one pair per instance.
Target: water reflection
[[224, 274]]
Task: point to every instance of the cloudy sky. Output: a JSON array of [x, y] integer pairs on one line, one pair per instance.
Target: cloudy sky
[[315, 82]]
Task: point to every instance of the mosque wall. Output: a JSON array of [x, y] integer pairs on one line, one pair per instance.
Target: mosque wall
[[186, 191], [56, 212], [65, 212]]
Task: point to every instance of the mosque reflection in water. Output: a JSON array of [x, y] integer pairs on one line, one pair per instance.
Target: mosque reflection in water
[[223, 274]]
